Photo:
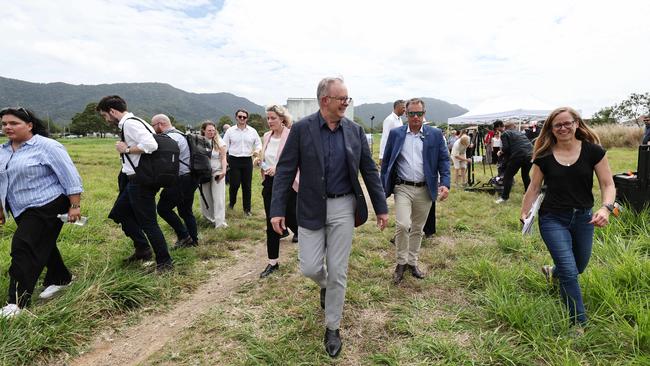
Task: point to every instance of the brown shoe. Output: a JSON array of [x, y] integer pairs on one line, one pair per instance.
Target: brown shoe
[[399, 273], [415, 271]]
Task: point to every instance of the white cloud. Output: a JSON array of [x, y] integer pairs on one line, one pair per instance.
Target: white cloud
[[588, 54]]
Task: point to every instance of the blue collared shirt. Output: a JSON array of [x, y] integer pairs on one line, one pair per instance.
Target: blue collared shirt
[[36, 174], [410, 163], [337, 177]]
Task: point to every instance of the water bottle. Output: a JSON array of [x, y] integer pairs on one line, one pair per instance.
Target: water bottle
[[81, 222], [264, 165]]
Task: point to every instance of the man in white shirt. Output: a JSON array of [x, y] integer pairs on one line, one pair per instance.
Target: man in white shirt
[[135, 207], [393, 120], [242, 142], [180, 195]]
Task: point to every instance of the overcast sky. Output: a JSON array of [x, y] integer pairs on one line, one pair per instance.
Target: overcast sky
[[586, 54]]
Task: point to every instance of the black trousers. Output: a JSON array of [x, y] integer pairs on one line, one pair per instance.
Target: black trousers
[[180, 196], [430, 225], [241, 173], [135, 210], [512, 165], [273, 238], [33, 247]]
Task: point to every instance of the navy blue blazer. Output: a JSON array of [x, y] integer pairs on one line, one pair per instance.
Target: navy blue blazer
[[436, 159], [304, 150]]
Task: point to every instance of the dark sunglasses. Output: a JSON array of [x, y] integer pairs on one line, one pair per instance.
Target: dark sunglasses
[[241, 116], [15, 111], [413, 114]]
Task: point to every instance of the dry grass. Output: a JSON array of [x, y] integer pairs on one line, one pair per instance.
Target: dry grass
[[613, 135]]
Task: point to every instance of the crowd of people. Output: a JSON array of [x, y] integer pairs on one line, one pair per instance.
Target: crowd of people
[[310, 185]]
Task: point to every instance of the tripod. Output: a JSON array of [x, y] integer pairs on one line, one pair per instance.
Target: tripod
[[478, 149]]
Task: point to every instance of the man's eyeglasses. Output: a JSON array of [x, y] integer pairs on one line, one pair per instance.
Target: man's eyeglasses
[[559, 126], [241, 116], [413, 114], [344, 100]]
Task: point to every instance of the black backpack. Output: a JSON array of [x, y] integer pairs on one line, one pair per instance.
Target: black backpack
[[200, 154], [160, 168]]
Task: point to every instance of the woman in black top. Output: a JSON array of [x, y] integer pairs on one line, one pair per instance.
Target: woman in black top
[[566, 155]]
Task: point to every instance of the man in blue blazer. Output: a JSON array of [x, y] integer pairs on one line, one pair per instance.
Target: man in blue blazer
[[330, 151], [415, 167]]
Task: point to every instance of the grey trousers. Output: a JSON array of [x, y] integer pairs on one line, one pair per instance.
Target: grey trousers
[[324, 255]]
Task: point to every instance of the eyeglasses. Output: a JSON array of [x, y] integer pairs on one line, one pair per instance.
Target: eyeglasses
[[559, 126], [241, 116], [10, 110], [413, 114], [344, 100]]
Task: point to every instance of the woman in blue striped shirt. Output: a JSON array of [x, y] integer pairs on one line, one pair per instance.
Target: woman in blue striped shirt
[[37, 181]]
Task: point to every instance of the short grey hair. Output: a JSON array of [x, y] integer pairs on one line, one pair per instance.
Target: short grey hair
[[415, 101], [397, 103], [163, 119], [324, 85]]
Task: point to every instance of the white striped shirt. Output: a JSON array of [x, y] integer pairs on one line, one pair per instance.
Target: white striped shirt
[[36, 174]]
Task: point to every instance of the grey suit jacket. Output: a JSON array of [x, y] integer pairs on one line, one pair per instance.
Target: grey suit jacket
[[303, 150]]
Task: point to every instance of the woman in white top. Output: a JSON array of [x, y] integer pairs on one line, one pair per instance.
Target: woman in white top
[[460, 160], [273, 142], [215, 190], [496, 146]]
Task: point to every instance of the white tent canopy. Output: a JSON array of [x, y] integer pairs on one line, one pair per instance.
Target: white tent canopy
[[522, 108]]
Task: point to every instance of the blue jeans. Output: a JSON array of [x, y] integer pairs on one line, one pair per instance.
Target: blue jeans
[[569, 237], [180, 196]]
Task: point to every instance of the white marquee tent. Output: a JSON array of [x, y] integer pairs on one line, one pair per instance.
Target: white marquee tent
[[521, 108]]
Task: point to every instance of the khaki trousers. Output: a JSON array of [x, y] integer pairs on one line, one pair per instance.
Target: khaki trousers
[[412, 206]]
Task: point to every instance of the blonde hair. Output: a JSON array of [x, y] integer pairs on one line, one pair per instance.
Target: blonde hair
[[464, 140], [282, 112], [547, 140]]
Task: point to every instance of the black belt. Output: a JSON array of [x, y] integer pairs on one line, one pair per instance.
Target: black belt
[[414, 184], [329, 195]]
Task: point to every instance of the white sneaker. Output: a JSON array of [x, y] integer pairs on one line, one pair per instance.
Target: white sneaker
[[500, 200], [10, 310], [50, 291]]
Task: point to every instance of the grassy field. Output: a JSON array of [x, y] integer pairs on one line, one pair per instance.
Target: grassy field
[[483, 302]]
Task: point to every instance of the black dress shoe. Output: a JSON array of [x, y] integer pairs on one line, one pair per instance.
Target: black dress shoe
[[185, 243], [333, 342], [415, 271], [269, 269], [164, 267], [295, 238], [323, 291], [399, 273], [138, 256]]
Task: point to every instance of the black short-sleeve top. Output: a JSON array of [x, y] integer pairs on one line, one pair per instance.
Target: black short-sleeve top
[[569, 187]]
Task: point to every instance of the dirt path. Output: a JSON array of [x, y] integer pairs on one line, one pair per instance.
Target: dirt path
[[137, 343]]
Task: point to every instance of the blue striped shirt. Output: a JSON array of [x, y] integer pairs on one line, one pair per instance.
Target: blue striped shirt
[[36, 174]]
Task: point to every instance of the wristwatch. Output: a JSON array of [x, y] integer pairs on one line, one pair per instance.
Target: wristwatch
[[75, 205], [128, 150], [609, 206]]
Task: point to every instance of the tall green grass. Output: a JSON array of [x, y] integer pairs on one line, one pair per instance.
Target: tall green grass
[[483, 302]]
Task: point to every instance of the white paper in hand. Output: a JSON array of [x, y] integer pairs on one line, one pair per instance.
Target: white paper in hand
[[532, 213]]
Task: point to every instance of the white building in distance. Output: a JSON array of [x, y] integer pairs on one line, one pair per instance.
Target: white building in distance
[[302, 107]]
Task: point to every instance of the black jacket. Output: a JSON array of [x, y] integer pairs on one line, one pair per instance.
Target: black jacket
[[515, 144]]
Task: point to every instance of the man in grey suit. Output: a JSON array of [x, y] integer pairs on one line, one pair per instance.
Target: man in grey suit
[[330, 151]]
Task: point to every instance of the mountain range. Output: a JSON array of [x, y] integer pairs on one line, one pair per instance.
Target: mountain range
[[60, 101]]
